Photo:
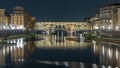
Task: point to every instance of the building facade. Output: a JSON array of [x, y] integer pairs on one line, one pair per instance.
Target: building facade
[[21, 19], [110, 17], [93, 21], [4, 19]]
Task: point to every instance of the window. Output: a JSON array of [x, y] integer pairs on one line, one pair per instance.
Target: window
[[16, 21], [20, 23], [12, 14]]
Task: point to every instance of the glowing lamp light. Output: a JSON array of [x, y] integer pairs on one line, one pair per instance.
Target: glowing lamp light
[[12, 26], [19, 27], [109, 66], [116, 27], [4, 27], [96, 27], [109, 27], [103, 27], [103, 50]]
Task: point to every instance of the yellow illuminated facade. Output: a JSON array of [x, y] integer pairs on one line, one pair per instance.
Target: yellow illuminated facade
[[22, 19], [94, 21], [7, 21], [4, 20]]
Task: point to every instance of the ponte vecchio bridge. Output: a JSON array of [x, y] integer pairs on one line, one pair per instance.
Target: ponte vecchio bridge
[[69, 27]]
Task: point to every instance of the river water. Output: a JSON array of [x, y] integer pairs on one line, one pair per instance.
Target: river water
[[51, 52]]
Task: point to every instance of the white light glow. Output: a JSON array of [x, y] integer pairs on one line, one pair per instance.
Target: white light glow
[[57, 63], [11, 41], [7, 41], [103, 50], [82, 65], [109, 27], [95, 27], [18, 45], [21, 45], [94, 42], [4, 51], [12, 26], [117, 28], [21, 27], [109, 52], [18, 41], [103, 66], [4, 27], [109, 66], [66, 64], [94, 66], [116, 53], [14, 41], [11, 49], [103, 27], [94, 45]]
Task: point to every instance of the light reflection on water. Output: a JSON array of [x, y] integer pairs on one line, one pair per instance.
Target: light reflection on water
[[67, 53]]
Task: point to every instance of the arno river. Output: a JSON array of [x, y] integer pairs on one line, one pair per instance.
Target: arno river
[[50, 52]]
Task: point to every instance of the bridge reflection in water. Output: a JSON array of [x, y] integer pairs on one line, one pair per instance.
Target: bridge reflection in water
[[48, 53]]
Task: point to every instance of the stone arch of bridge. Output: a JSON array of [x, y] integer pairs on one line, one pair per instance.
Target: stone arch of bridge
[[69, 28]]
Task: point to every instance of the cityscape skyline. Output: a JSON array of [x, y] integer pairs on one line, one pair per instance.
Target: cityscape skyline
[[60, 10]]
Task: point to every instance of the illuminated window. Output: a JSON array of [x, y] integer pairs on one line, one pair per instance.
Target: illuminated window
[[110, 21]]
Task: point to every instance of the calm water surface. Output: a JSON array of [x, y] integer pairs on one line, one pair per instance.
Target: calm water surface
[[51, 52]]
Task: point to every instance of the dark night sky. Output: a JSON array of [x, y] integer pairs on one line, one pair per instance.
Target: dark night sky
[[58, 10]]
